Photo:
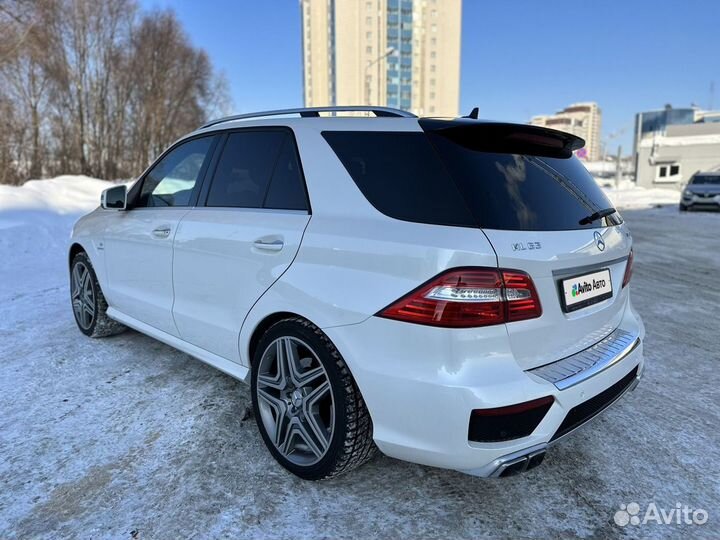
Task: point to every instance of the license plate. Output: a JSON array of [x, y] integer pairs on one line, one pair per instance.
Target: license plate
[[584, 290]]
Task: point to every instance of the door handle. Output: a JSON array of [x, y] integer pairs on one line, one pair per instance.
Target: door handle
[[275, 245], [161, 232]]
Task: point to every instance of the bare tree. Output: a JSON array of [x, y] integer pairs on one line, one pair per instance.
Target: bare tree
[[95, 87]]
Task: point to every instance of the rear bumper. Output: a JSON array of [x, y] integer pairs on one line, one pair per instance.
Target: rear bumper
[[587, 411], [421, 385]]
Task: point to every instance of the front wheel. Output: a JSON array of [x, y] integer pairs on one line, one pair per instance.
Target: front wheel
[[683, 208], [88, 302], [307, 406]]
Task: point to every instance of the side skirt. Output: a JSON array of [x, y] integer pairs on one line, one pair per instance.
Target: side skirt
[[233, 369]]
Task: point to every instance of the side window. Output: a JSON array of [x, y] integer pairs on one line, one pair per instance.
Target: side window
[[244, 170], [172, 180], [287, 189]]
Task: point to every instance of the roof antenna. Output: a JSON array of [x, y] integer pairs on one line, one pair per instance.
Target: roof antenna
[[473, 114]]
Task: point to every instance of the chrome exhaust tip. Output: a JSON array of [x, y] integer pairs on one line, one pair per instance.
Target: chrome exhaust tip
[[519, 462]]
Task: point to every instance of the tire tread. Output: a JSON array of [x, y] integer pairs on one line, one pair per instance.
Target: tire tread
[[358, 446], [104, 326]]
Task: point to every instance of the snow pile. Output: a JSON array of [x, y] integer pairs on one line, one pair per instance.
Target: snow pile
[[629, 196], [62, 195], [35, 223]]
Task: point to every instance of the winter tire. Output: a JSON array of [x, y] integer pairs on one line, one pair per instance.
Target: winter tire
[[88, 302], [307, 406]]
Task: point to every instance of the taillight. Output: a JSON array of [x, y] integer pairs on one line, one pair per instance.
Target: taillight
[[468, 297], [628, 269], [522, 301]]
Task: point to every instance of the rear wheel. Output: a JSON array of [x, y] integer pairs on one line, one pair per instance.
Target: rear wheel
[[307, 406], [88, 302]]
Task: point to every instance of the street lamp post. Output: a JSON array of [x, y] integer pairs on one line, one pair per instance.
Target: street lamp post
[[388, 52]]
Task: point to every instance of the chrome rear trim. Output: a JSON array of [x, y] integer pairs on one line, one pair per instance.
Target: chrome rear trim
[[578, 367], [578, 270]]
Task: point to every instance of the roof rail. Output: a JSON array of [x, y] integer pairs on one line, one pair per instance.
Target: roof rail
[[315, 111]]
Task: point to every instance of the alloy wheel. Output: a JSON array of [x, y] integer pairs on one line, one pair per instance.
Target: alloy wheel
[[295, 401], [83, 297]]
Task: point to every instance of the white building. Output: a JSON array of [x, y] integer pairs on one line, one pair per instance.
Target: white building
[[581, 119], [398, 53], [670, 159]]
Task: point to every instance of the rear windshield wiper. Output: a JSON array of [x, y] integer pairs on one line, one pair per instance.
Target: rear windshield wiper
[[597, 215]]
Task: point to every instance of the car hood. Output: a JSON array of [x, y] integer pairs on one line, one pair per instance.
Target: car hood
[[704, 189]]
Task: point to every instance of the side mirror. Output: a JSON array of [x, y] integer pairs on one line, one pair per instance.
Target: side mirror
[[114, 198]]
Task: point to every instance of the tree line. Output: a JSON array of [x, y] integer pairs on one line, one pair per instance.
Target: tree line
[[96, 87]]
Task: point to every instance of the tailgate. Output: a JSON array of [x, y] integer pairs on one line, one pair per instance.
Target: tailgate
[[545, 215], [557, 258]]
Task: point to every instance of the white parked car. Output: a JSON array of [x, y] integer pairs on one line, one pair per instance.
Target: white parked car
[[453, 292]]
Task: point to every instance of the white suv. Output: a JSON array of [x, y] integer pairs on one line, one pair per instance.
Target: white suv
[[453, 292]]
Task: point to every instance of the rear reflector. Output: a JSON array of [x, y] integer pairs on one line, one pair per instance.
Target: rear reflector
[[628, 269], [507, 423], [469, 297]]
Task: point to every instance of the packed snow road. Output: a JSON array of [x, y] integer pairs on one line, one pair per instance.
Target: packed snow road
[[125, 437]]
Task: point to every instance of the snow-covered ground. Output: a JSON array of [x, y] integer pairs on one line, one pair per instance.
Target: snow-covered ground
[[125, 437], [629, 196]]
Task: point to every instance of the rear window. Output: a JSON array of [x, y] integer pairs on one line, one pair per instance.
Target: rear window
[[425, 177]]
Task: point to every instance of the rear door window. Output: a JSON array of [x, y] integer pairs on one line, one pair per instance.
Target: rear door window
[[258, 169], [243, 172], [287, 186]]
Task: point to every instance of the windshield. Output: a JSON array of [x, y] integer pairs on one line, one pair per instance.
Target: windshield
[[706, 179]]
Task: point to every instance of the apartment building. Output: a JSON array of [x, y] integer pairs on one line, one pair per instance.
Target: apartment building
[[581, 119], [395, 53]]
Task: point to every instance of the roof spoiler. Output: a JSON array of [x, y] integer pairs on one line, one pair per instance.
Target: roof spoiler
[[505, 138]]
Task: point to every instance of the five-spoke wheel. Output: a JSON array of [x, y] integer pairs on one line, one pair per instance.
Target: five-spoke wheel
[[82, 295], [295, 400], [307, 406], [88, 302]]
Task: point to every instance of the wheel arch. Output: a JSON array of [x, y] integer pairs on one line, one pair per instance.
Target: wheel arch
[[262, 326], [75, 248]]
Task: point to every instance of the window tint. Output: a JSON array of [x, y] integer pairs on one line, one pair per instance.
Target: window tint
[[172, 180], [401, 176], [243, 173], [430, 179], [573, 171], [287, 190], [705, 179], [517, 192]]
